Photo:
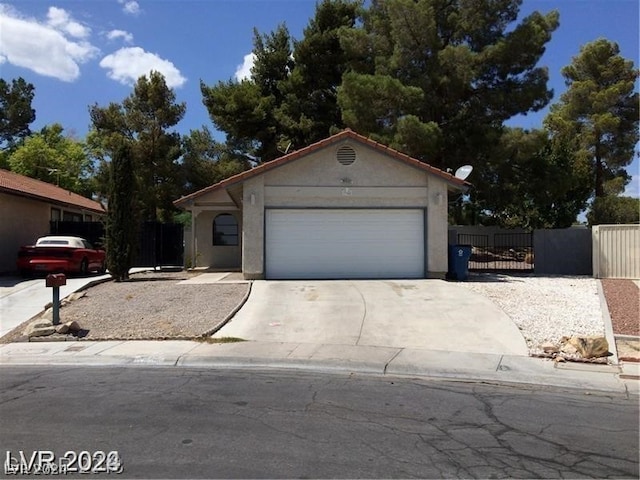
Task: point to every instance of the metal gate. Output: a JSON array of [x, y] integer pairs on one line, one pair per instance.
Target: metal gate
[[500, 251], [159, 244]]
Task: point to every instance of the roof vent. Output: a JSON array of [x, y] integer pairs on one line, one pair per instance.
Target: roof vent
[[346, 155]]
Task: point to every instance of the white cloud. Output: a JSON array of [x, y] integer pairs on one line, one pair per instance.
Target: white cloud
[[116, 34], [130, 7], [633, 187], [54, 49], [243, 72], [62, 21], [127, 65]]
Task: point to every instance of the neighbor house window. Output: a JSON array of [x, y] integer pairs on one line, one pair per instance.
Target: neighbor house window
[[225, 230], [71, 217], [55, 214], [88, 218]]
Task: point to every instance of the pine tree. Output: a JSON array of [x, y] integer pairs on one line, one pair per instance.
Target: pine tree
[[436, 79], [598, 114], [144, 120]]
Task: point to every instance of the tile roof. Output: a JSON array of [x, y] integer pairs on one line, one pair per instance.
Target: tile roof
[[343, 135], [13, 183]]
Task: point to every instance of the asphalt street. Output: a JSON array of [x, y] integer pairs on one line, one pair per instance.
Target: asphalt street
[[210, 423]]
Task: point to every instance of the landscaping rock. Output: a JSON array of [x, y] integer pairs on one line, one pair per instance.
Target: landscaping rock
[[32, 331], [549, 347], [72, 297], [568, 348], [68, 327], [590, 347], [40, 323]]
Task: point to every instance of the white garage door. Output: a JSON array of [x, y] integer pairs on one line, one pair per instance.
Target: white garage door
[[344, 243]]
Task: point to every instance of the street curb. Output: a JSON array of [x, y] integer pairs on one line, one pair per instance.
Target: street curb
[[608, 326], [231, 314], [627, 337], [324, 367], [92, 283]]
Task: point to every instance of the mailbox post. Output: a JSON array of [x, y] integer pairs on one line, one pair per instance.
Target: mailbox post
[[56, 280]]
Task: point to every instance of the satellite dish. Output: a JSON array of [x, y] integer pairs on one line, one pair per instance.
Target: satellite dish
[[463, 172]]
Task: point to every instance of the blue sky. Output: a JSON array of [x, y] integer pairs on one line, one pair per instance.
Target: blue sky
[[77, 53]]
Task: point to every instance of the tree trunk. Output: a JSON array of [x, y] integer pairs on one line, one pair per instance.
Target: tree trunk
[[599, 187]]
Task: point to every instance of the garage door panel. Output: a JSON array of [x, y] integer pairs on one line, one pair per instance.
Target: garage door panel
[[344, 243]]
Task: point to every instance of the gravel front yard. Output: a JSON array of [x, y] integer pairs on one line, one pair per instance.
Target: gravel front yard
[[544, 308], [153, 305]]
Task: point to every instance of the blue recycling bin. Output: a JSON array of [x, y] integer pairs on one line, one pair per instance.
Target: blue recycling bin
[[459, 256]]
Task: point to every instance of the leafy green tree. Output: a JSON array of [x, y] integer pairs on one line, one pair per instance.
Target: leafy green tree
[[206, 161], [16, 113], [598, 114], [54, 158], [532, 181], [437, 78], [612, 209], [122, 224], [144, 119]]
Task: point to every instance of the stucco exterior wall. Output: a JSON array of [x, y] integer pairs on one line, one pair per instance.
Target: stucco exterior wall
[[371, 169], [23, 221], [215, 256], [437, 229], [319, 180], [253, 231]]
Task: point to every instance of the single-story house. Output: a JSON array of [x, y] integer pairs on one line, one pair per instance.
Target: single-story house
[[345, 207], [27, 206]]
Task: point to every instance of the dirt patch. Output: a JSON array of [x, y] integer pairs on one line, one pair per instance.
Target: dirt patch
[[623, 302]]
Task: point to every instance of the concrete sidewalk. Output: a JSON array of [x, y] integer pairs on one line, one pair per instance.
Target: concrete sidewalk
[[483, 367]]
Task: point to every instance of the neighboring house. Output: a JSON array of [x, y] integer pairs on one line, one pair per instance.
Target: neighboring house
[[27, 206], [345, 207]]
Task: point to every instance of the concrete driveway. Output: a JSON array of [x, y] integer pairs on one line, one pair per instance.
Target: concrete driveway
[[420, 314]]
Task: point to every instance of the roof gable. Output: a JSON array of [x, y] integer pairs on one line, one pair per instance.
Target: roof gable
[[339, 137], [16, 184]]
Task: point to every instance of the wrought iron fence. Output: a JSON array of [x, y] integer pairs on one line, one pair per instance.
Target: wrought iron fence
[[160, 244], [501, 251]]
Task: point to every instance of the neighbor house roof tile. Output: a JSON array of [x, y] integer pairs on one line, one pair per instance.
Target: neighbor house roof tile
[[341, 136], [13, 183]]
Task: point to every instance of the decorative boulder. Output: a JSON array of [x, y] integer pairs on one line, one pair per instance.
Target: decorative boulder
[[68, 327], [39, 328], [590, 347]]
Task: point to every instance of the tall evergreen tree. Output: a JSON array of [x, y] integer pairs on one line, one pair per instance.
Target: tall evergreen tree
[[291, 96], [245, 110], [598, 114], [144, 119], [122, 221], [437, 78], [310, 110]]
